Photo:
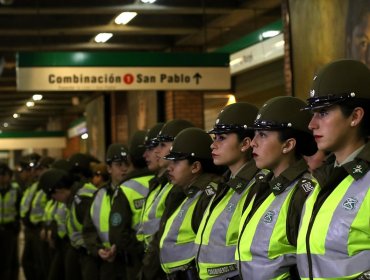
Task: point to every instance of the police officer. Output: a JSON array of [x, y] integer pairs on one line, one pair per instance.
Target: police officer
[[96, 229], [31, 266], [10, 197], [151, 213], [167, 200], [333, 240], [217, 234], [129, 203], [191, 168], [269, 225], [78, 262], [54, 226], [36, 214]]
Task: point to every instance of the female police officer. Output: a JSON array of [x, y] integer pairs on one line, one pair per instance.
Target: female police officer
[[269, 226], [333, 240]]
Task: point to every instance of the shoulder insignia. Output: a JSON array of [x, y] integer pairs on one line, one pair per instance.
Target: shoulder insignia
[[77, 199], [138, 203], [306, 185], [357, 168], [211, 189]]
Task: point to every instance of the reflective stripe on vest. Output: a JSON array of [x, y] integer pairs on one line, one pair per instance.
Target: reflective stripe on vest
[[60, 216], [217, 236], [339, 239], [136, 191], [38, 207], [263, 250], [152, 213], [27, 199], [177, 242], [8, 206], [99, 212], [74, 227]]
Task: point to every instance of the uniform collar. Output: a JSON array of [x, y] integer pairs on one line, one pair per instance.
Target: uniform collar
[[203, 182], [280, 183], [241, 180], [351, 157], [137, 173]]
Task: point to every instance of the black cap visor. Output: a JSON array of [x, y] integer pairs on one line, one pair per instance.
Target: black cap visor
[[316, 103], [177, 156], [165, 138], [228, 128], [270, 125]]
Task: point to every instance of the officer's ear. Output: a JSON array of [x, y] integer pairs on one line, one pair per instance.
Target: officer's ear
[[288, 145], [196, 167], [245, 144], [356, 116]]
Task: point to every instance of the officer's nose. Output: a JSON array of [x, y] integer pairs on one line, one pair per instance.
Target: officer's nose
[[313, 122]]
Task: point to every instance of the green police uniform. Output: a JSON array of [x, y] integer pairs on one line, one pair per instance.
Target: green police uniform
[[96, 228], [269, 225], [333, 240], [217, 236], [167, 200], [10, 197], [177, 252]]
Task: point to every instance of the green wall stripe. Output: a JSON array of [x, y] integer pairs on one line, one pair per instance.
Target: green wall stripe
[[111, 59], [250, 39], [32, 134]]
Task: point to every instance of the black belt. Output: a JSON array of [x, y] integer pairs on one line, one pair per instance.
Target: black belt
[[188, 273]]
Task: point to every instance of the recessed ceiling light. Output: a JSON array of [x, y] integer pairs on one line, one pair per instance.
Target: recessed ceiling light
[[125, 17], [37, 97], [103, 37], [269, 34], [84, 136], [148, 1], [15, 115], [5, 124], [30, 104]]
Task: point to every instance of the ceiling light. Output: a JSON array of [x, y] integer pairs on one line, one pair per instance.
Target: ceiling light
[[37, 97], [269, 34], [84, 136], [15, 115], [5, 124], [103, 37], [125, 17], [30, 104], [148, 1]]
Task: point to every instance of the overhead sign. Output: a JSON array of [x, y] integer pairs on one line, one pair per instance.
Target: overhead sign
[[122, 71]]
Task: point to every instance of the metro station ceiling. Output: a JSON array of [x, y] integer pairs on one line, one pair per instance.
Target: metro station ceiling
[[71, 25]]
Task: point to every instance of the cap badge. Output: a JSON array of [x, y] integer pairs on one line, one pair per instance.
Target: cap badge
[[217, 121], [314, 78], [258, 116], [312, 92], [123, 154]]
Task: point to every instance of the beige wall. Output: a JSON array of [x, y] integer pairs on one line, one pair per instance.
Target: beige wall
[[318, 37]]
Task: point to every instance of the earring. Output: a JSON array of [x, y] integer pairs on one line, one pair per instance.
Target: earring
[[243, 149], [285, 151], [353, 123]]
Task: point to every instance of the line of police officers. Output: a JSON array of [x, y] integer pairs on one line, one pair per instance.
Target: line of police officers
[[177, 204]]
